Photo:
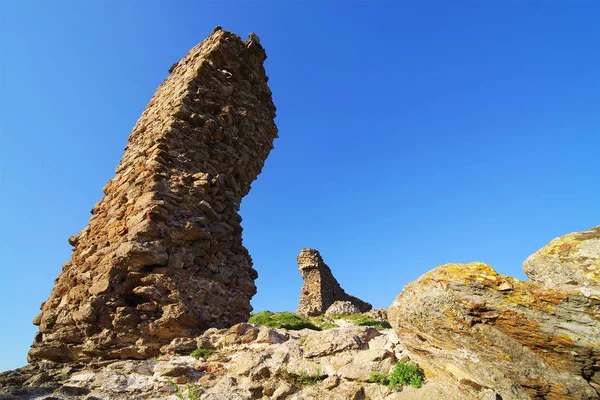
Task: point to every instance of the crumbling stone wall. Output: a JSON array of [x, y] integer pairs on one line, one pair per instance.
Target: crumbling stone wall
[[162, 256], [321, 289]]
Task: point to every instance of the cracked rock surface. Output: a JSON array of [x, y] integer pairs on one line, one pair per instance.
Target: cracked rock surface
[[248, 362], [570, 262], [474, 328]]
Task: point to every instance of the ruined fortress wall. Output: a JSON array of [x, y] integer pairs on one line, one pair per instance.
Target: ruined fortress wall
[[162, 256], [320, 289]]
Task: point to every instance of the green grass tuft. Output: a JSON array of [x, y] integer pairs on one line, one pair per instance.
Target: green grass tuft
[[379, 378], [363, 320], [328, 325], [303, 378], [287, 320], [404, 374], [203, 353], [193, 391]]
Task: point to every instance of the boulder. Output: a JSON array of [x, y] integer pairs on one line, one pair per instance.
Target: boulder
[[477, 330], [180, 346], [331, 341], [379, 314], [342, 307], [570, 262]]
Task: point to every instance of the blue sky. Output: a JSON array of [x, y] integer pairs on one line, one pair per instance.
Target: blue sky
[[412, 134]]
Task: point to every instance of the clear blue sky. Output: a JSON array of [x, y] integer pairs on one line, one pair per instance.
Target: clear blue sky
[[412, 134]]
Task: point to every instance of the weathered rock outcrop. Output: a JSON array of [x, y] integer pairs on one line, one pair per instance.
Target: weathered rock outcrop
[[162, 256], [477, 330], [570, 262], [248, 362], [342, 307], [321, 289]]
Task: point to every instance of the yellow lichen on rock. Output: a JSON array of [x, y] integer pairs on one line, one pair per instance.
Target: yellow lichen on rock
[[568, 263], [520, 338]]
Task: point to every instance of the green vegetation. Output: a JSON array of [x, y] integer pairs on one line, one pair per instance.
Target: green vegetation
[[363, 320], [287, 320], [405, 373], [193, 391], [328, 325], [63, 377], [322, 322], [203, 353], [303, 378], [379, 378]]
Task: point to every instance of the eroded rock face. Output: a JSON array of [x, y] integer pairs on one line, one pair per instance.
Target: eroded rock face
[[478, 330], [570, 262], [249, 362], [321, 289], [342, 307], [162, 256]]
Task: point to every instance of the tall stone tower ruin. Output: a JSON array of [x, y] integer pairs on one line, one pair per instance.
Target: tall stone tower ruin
[[162, 256]]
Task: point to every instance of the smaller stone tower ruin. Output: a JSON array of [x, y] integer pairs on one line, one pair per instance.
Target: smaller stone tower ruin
[[321, 289]]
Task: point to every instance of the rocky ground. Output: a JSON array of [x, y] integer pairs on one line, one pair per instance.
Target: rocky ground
[[476, 334], [161, 266], [249, 362]]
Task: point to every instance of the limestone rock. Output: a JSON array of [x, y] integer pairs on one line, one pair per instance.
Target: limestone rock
[[321, 289], [570, 262], [379, 314], [244, 366], [162, 256], [333, 341], [342, 307], [463, 326], [179, 346], [181, 366]]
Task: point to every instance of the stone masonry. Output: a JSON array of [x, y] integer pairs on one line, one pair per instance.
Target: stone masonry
[[162, 256], [321, 289]]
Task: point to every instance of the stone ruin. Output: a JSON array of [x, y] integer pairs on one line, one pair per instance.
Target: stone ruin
[[162, 260], [321, 289], [162, 256]]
